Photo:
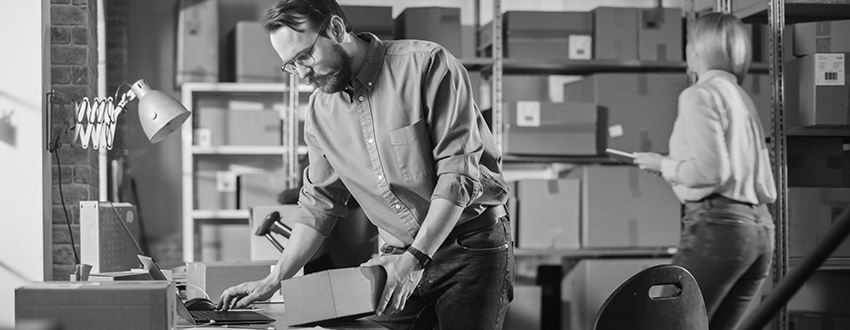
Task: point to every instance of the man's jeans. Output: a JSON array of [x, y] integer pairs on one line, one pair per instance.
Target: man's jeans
[[467, 286], [728, 247]]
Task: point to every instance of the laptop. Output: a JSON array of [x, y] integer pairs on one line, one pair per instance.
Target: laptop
[[205, 317]]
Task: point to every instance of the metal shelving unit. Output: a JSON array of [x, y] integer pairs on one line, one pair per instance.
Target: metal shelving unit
[[286, 154]]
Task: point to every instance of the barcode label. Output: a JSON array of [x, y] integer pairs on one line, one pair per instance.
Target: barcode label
[[829, 69]]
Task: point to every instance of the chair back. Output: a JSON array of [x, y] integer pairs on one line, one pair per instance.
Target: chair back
[[632, 307]]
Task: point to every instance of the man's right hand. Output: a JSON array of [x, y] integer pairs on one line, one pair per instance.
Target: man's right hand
[[244, 294]]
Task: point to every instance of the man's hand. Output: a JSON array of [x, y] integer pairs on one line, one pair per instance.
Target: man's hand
[[649, 161], [403, 275], [244, 294]]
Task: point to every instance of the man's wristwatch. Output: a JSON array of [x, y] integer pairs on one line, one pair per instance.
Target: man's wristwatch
[[424, 259]]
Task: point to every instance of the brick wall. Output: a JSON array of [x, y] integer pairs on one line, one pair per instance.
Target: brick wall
[[73, 46]]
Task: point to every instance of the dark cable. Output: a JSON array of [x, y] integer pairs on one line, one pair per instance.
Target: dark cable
[[62, 198]]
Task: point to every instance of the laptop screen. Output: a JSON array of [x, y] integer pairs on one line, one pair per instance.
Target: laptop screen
[[157, 275]]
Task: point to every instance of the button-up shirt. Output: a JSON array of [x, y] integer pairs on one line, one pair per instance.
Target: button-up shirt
[[717, 145], [406, 133]]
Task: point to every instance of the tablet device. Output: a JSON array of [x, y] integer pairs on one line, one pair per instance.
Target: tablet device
[[622, 156]]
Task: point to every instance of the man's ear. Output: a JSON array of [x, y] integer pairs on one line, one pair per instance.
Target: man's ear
[[336, 29]]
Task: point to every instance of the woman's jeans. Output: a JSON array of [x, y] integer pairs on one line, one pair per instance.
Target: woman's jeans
[[728, 247], [467, 286]]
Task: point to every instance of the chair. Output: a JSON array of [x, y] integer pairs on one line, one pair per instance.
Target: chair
[[632, 307]]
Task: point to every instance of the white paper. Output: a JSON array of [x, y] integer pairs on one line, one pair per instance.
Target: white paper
[[580, 47], [615, 131], [829, 69], [528, 114]]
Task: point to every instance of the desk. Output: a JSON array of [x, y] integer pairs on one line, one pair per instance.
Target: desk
[[277, 312]]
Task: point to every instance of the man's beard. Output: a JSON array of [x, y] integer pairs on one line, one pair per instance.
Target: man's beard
[[339, 75]]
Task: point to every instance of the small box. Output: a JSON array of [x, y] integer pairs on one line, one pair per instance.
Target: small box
[[436, 24], [197, 42], [256, 60], [660, 34], [548, 214], [524, 311], [553, 129], [347, 293], [215, 190], [259, 189], [242, 127], [591, 281], [812, 213], [816, 87], [639, 108], [615, 33], [213, 277], [375, 19], [105, 243], [623, 206], [128, 305], [816, 162], [821, 37]]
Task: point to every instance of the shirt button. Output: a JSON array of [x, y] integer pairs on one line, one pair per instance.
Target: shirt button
[[360, 98], [380, 177], [370, 140], [369, 83], [396, 206]]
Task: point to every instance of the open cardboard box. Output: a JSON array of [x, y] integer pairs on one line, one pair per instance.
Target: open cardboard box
[[333, 295]]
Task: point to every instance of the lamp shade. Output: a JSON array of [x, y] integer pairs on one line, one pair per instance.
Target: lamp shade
[[159, 113]]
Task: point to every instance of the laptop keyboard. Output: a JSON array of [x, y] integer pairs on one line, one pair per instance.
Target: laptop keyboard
[[222, 316]]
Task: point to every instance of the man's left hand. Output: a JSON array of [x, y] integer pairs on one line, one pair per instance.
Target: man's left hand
[[403, 275]]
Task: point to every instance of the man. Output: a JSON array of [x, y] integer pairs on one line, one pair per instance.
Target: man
[[393, 124]]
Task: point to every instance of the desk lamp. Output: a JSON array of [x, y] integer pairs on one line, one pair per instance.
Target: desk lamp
[[94, 121]]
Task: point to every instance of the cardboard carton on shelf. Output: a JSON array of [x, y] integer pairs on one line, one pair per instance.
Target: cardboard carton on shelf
[[615, 33], [544, 35], [660, 34], [197, 42], [821, 37], [436, 24], [553, 129], [817, 90], [549, 214]]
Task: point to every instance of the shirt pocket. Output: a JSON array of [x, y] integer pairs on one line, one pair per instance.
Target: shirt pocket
[[412, 151]]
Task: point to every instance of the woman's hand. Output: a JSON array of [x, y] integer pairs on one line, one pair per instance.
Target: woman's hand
[[649, 161]]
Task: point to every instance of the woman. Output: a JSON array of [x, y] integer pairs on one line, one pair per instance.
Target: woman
[[720, 169]]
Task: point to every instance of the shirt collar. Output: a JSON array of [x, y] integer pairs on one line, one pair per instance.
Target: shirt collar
[[711, 74], [373, 62]]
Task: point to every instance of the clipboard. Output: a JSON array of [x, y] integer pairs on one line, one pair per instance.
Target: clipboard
[[621, 156]]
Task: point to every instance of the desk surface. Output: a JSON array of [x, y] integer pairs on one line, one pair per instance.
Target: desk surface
[[277, 312]]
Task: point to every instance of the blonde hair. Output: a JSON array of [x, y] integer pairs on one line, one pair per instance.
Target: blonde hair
[[723, 43]]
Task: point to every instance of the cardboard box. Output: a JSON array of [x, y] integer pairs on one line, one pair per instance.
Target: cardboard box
[[213, 277], [623, 206], [525, 88], [812, 213], [346, 293], [554, 129], [254, 189], [821, 37], [256, 60], [816, 162], [241, 127], [640, 107], [524, 311], [104, 242], [615, 33], [99, 305], [548, 214], [660, 34], [591, 281], [543, 35], [375, 19], [437, 24], [128, 275], [818, 89], [197, 42], [215, 190]]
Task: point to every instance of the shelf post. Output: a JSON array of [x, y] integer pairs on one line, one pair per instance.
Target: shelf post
[[496, 78]]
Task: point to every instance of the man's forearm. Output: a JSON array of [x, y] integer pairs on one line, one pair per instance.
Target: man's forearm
[[441, 219], [302, 245]]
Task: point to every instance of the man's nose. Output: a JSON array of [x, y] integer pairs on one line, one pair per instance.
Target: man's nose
[[302, 70]]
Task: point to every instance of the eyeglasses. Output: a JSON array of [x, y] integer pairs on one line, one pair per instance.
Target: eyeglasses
[[304, 58]]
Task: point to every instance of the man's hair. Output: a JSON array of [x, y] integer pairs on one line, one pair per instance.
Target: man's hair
[[293, 13], [722, 41]]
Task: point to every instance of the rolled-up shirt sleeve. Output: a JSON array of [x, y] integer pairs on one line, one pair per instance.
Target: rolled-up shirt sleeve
[[323, 194], [451, 116]]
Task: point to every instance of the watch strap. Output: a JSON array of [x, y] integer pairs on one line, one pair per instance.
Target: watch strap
[[424, 259]]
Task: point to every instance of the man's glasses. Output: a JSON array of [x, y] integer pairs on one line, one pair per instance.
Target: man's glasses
[[304, 58]]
